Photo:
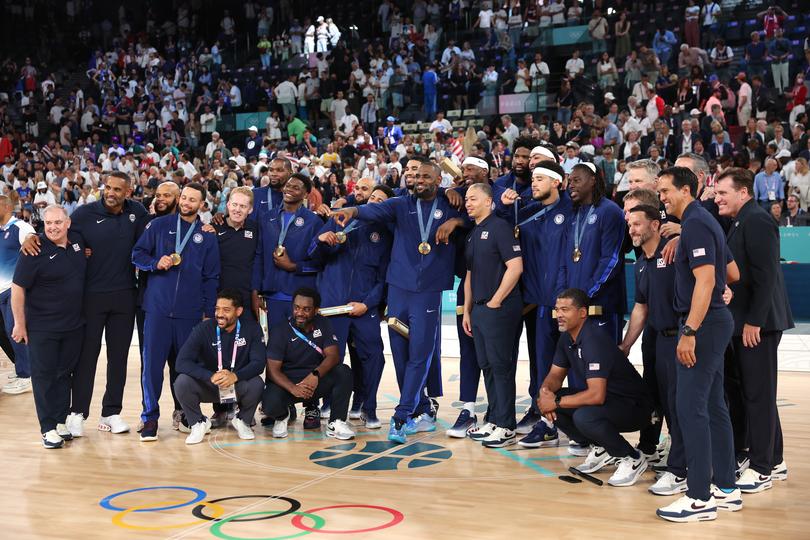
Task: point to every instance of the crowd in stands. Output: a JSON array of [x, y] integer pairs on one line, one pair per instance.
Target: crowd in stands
[[153, 94]]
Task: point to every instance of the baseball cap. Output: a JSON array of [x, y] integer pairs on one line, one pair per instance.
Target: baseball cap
[[610, 96], [253, 128]]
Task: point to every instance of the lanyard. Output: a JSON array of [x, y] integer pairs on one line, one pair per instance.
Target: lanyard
[[178, 245], [219, 347], [538, 215], [425, 231], [577, 234], [517, 201], [306, 339], [285, 225]]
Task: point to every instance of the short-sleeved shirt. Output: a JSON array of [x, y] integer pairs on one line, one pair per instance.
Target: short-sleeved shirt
[[594, 355], [237, 251], [54, 285], [298, 358], [655, 287], [702, 242], [490, 245]]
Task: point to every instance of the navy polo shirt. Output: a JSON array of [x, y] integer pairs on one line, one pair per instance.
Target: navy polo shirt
[[297, 357], [702, 242], [111, 237], [655, 287], [594, 355], [198, 355], [237, 251], [54, 285], [490, 245]]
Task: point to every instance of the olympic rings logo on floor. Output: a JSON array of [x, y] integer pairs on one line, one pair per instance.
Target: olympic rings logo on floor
[[210, 510]]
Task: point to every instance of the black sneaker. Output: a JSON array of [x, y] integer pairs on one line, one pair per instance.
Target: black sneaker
[[527, 423], [219, 419], [293, 413], [149, 431], [434, 408], [312, 418]]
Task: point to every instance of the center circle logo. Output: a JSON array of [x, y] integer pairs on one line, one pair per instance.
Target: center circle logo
[[407, 457]]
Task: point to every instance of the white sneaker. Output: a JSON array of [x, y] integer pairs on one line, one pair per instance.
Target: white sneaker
[[18, 385], [481, 432], [780, 472], [64, 432], [113, 423], [668, 484], [597, 458], [751, 481], [51, 440], [354, 414], [499, 438], [651, 459], [198, 431], [577, 449], [731, 502], [280, 427], [687, 509], [629, 471], [339, 430], [244, 431], [75, 423]]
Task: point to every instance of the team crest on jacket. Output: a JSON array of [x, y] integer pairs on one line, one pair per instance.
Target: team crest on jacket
[[248, 234], [76, 247], [559, 218], [438, 214], [198, 238], [299, 221], [317, 333], [132, 218], [592, 219], [374, 237]]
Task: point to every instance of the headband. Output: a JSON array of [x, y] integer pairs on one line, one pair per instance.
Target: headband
[[590, 165], [548, 172], [478, 162], [543, 151]]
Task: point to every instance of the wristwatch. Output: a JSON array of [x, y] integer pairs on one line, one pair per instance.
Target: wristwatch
[[688, 331], [557, 399], [316, 373]]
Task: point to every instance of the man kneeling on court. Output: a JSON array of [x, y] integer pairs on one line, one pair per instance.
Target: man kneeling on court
[[221, 362], [303, 365], [615, 400]]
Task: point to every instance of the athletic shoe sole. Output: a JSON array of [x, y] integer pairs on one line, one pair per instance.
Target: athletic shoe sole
[[108, 429], [459, 433], [731, 506], [756, 488], [17, 391], [148, 438], [540, 444], [52, 446], [668, 492], [398, 440], [579, 452], [631, 480], [339, 437], [702, 516], [501, 443]]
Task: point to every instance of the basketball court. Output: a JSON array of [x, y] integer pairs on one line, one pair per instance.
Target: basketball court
[[114, 486]]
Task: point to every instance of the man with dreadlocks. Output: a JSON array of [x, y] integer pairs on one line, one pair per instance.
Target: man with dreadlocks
[[593, 261]]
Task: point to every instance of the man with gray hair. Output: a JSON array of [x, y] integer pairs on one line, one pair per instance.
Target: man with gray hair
[[46, 297]]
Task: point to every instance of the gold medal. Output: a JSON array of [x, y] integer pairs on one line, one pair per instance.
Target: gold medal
[[279, 252], [176, 259], [341, 237], [517, 232], [577, 255], [424, 248]]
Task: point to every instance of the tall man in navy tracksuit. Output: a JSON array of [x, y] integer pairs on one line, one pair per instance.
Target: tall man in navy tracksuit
[[282, 264], [542, 227], [183, 263], [421, 268], [355, 261], [593, 262], [279, 172]]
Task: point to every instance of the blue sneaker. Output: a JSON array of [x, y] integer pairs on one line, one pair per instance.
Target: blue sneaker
[[541, 436], [464, 422], [422, 423], [527, 423], [396, 433]]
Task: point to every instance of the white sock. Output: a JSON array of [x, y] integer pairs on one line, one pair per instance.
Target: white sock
[[547, 422], [469, 406]]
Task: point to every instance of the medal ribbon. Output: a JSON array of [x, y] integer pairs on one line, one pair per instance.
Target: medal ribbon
[[577, 233], [178, 245], [425, 231], [285, 226], [538, 215]]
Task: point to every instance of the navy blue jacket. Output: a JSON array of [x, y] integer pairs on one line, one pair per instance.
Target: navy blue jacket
[[186, 291], [544, 250], [355, 270], [409, 269], [267, 277], [600, 271], [260, 206], [198, 355]]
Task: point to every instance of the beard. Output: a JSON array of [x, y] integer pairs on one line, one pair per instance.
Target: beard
[[170, 209]]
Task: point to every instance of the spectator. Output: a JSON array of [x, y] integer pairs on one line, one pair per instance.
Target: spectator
[[769, 186], [755, 53], [663, 42], [574, 67], [778, 54], [598, 29], [691, 29], [794, 216]]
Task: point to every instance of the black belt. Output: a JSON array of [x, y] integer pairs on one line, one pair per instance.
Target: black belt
[[669, 332]]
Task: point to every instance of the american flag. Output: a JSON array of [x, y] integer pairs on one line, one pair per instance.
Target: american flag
[[457, 149]]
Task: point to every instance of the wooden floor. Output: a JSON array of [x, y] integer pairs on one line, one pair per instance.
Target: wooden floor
[[433, 487]]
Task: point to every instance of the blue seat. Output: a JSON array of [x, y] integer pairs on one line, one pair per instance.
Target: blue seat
[[733, 31]]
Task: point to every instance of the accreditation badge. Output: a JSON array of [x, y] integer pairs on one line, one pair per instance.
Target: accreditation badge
[[227, 394]]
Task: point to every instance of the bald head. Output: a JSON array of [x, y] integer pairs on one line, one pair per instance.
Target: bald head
[[166, 196], [363, 189]]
